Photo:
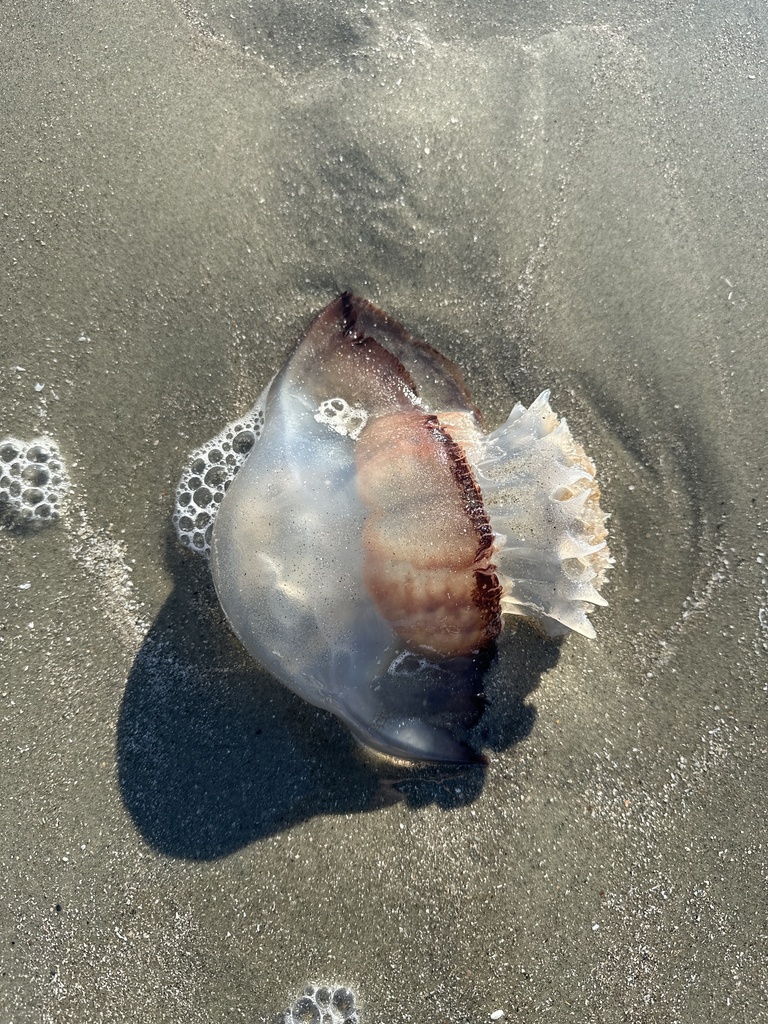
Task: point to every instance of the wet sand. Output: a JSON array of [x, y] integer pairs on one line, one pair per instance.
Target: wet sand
[[573, 200]]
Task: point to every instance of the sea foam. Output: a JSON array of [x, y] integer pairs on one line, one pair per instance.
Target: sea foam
[[33, 480]]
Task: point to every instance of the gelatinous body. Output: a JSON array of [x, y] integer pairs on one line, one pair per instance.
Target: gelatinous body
[[369, 544]]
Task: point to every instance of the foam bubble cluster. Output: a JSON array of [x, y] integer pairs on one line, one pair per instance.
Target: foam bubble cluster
[[347, 420], [33, 480], [207, 475], [323, 1004]]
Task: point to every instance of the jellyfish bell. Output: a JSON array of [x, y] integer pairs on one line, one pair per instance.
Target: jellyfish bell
[[376, 534]]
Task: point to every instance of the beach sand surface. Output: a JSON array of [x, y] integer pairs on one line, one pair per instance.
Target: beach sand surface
[[568, 196]]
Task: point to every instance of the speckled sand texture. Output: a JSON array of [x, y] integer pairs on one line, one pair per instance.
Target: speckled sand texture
[[568, 196]]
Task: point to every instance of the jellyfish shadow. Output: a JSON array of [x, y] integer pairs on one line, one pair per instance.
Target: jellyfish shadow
[[213, 753]]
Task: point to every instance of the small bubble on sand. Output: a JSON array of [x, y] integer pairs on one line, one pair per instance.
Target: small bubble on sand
[[323, 1004], [33, 480], [209, 471]]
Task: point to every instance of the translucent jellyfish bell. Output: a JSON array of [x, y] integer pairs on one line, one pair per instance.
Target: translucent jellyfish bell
[[375, 535]]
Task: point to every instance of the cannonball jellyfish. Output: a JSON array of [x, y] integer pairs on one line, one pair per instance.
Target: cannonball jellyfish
[[376, 534]]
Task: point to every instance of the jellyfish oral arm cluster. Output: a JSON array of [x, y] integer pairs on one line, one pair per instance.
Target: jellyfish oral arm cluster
[[543, 499], [375, 535]]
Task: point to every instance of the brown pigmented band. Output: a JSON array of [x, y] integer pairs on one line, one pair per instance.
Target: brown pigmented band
[[427, 539], [487, 595]]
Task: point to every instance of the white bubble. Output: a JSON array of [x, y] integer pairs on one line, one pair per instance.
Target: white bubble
[[33, 480], [323, 1004], [208, 473], [345, 419]]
